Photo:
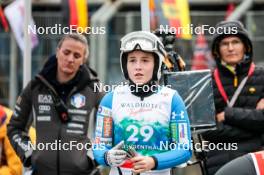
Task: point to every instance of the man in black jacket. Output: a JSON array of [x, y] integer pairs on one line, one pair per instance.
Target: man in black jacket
[[59, 101], [240, 118]]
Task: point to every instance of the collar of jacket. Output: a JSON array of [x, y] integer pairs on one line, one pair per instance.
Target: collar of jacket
[[240, 70]]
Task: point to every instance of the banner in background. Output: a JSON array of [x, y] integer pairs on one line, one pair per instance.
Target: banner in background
[[76, 13], [15, 14], [174, 13]]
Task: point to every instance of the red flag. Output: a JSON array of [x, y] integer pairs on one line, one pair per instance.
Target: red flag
[[202, 58], [3, 20], [76, 14], [230, 9], [73, 13]]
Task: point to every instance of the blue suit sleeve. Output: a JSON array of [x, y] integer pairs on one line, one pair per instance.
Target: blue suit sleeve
[[180, 152], [104, 129]]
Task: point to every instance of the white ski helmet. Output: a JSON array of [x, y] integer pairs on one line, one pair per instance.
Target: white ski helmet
[[145, 41]]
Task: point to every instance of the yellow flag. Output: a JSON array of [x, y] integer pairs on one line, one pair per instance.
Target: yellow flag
[[82, 14], [176, 14]]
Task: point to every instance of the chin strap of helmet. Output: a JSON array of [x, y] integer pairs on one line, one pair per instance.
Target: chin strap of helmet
[[143, 90]]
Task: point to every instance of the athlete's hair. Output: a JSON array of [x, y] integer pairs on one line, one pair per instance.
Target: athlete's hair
[[77, 37]]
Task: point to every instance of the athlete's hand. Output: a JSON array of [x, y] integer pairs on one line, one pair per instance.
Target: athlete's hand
[[220, 117], [116, 156], [260, 105], [142, 164]]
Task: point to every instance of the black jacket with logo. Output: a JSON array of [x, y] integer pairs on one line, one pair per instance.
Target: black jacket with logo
[[243, 125], [61, 147]]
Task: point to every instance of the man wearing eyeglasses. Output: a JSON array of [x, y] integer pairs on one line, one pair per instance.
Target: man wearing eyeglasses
[[239, 96]]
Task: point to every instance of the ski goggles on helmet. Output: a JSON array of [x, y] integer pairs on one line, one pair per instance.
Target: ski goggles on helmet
[[141, 41]]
